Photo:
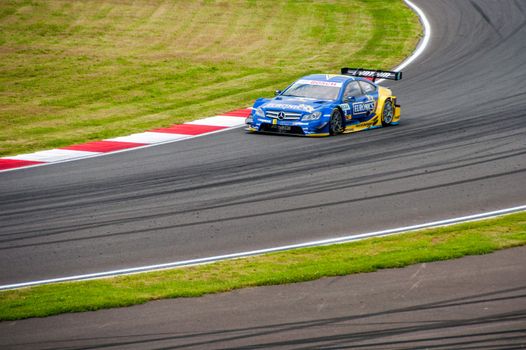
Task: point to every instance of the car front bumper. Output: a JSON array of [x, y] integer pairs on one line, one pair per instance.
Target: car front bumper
[[276, 126]]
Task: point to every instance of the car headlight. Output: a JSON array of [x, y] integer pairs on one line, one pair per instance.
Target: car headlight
[[260, 113], [312, 116]]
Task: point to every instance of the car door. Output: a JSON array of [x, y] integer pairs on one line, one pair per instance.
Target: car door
[[357, 103], [370, 92]]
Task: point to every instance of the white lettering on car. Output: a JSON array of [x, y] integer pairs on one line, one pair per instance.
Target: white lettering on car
[[372, 74], [300, 107], [363, 107], [320, 83], [345, 107]]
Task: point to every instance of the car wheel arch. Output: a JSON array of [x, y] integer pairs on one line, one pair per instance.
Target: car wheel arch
[[342, 116]]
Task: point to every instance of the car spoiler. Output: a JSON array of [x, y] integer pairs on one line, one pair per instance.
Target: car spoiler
[[372, 73]]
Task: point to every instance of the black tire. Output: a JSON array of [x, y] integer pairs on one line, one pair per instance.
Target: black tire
[[336, 122], [388, 112]]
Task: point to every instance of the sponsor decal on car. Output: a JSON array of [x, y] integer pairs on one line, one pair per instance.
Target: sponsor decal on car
[[363, 107], [378, 74], [320, 83], [300, 107]]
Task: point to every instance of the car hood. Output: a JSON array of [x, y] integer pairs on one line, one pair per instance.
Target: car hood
[[303, 105]]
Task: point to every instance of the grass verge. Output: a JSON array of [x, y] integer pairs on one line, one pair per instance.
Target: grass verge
[[300, 265], [75, 71]]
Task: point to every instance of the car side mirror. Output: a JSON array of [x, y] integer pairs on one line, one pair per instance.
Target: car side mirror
[[277, 92], [349, 99]]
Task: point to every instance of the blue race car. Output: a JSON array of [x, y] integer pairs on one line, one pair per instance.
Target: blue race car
[[324, 104]]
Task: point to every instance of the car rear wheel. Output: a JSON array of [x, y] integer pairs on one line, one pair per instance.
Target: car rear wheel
[[336, 123], [387, 113]]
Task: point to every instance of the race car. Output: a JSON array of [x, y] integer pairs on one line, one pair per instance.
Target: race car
[[325, 104]]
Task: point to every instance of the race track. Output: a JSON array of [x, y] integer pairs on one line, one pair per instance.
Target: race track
[[460, 149]]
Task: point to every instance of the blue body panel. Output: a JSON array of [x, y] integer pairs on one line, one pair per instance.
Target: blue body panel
[[297, 115]]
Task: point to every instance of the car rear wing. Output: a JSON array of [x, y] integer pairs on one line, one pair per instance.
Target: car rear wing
[[372, 73]]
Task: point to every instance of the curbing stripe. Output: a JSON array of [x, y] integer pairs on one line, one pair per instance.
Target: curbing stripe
[[220, 120], [174, 133], [239, 113], [103, 146], [6, 163], [54, 155], [190, 129], [149, 137]]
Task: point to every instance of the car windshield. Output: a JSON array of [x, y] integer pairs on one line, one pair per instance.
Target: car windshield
[[319, 90]]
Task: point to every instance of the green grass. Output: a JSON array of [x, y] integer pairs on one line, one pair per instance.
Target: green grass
[[74, 71], [273, 269]]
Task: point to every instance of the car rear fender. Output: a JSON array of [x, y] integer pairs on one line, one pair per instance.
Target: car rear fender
[[385, 94]]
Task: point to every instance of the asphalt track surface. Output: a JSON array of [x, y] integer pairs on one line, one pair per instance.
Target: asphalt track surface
[[460, 149], [473, 303]]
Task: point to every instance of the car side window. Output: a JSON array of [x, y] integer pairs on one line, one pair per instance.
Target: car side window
[[367, 87], [352, 90]]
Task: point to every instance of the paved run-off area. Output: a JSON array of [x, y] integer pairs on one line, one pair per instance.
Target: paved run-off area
[[477, 302]]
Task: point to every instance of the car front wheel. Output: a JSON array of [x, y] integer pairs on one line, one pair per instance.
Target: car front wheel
[[336, 123]]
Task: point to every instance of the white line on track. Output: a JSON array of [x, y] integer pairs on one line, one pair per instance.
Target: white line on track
[[422, 45], [338, 240], [425, 40]]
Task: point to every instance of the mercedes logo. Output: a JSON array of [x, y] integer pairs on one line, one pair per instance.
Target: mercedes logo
[[281, 115]]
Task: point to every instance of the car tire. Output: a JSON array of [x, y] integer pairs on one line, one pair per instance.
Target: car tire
[[336, 122], [388, 112]]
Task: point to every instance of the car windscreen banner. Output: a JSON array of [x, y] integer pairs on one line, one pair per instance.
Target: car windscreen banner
[[372, 73]]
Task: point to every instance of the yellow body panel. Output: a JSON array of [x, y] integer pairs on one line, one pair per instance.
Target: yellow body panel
[[397, 114], [383, 95], [318, 135], [375, 122]]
